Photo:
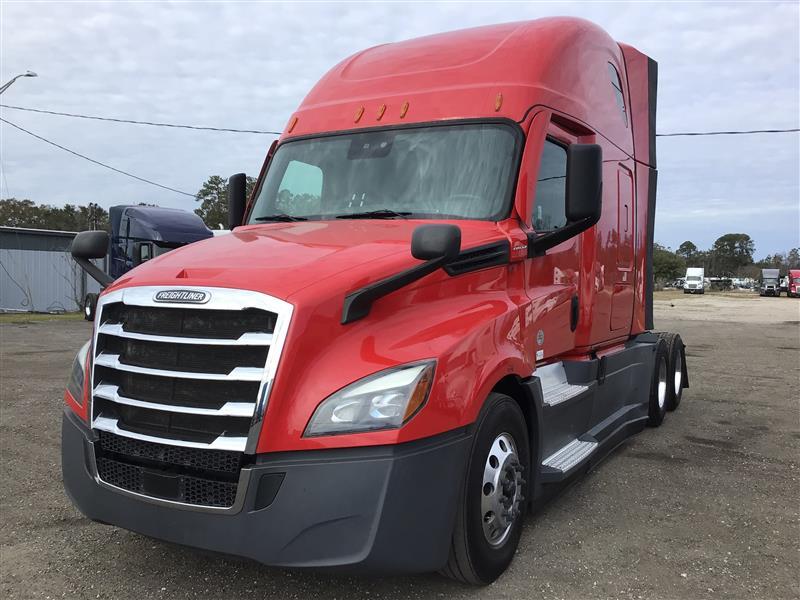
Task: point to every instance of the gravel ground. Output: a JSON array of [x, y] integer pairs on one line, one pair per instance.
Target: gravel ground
[[705, 506]]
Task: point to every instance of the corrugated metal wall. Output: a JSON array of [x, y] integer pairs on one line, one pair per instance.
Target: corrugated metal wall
[[37, 272]]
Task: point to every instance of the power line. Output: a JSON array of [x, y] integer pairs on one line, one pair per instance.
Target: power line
[[748, 132], [97, 162], [261, 132], [131, 121]]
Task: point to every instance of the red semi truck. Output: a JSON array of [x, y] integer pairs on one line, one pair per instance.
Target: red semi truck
[[793, 284], [434, 310]]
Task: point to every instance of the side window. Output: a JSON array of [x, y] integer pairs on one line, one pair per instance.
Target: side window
[[549, 211], [300, 189], [615, 83]]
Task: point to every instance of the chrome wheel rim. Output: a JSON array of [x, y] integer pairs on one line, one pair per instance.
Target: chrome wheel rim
[[662, 383], [678, 376], [501, 490]]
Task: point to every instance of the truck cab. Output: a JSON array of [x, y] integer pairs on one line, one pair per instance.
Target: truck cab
[[793, 283], [694, 282], [770, 282], [140, 233], [434, 310]]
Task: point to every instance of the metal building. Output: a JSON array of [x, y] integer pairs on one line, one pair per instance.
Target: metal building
[[37, 272]]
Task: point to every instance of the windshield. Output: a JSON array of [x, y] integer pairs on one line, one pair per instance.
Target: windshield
[[796, 280], [692, 278], [454, 171]]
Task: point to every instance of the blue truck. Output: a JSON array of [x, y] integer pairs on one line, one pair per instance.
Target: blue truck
[[140, 233]]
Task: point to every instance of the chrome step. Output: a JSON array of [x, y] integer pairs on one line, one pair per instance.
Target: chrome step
[[229, 409], [555, 387], [570, 455]]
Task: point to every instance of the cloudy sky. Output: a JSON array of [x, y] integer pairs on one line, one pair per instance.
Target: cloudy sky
[[248, 65]]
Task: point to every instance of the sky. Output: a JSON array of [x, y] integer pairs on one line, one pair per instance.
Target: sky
[[722, 66]]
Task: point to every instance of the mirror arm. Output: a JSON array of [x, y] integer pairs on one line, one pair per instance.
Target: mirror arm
[[358, 304], [539, 243], [94, 272]]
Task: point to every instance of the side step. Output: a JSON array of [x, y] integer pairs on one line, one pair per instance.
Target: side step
[[561, 462], [555, 388]]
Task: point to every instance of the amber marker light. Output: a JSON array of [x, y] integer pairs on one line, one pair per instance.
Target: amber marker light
[[403, 109], [292, 123], [358, 114], [498, 102]]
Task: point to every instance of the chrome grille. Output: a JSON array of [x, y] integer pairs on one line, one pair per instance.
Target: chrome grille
[[191, 377]]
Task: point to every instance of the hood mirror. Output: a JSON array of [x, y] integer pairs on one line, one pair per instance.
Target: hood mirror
[[88, 246], [436, 242]]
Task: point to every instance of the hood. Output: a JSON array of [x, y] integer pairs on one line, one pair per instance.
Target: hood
[[281, 259]]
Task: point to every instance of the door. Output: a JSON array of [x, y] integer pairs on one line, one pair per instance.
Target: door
[[552, 279]]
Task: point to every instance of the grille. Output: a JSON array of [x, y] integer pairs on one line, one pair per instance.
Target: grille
[[203, 460], [181, 488], [193, 358], [176, 391], [190, 322]]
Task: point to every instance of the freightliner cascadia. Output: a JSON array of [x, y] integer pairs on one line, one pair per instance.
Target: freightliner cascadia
[[434, 310]]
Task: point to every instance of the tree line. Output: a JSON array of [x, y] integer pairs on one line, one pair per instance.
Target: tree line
[[212, 198], [731, 255]]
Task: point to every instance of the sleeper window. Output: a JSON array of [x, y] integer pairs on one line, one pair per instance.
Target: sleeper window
[[549, 211], [617, 86]]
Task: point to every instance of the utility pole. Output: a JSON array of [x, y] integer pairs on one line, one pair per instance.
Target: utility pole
[[7, 84]]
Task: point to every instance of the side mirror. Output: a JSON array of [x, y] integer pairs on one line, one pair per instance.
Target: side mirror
[[583, 201], [237, 199], [584, 182], [89, 245], [436, 242], [143, 251]]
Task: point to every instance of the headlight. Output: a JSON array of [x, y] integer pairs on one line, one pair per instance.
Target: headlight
[[385, 400], [76, 376]]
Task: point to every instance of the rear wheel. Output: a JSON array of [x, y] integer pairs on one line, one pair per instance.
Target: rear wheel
[[492, 503], [676, 375], [659, 387]]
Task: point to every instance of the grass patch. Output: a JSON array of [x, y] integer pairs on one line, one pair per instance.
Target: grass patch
[[24, 318]]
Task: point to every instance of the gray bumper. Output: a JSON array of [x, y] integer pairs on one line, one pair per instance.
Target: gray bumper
[[379, 509]]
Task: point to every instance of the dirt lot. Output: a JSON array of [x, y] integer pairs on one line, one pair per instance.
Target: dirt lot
[[705, 506]]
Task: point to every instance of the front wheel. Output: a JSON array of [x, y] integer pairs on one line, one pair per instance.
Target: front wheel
[[492, 502], [89, 307]]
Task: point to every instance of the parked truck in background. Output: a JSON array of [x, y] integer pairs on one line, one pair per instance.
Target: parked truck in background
[[770, 282], [139, 233], [694, 281], [434, 311], [793, 285]]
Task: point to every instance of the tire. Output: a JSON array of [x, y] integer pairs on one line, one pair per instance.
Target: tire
[[89, 307], [657, 407], [474, 559], [676, 371]]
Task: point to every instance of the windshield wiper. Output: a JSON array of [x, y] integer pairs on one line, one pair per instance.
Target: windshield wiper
[[281, 217], [384, 213]]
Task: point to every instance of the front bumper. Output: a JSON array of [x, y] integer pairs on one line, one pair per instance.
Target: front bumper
[[378, 509]]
